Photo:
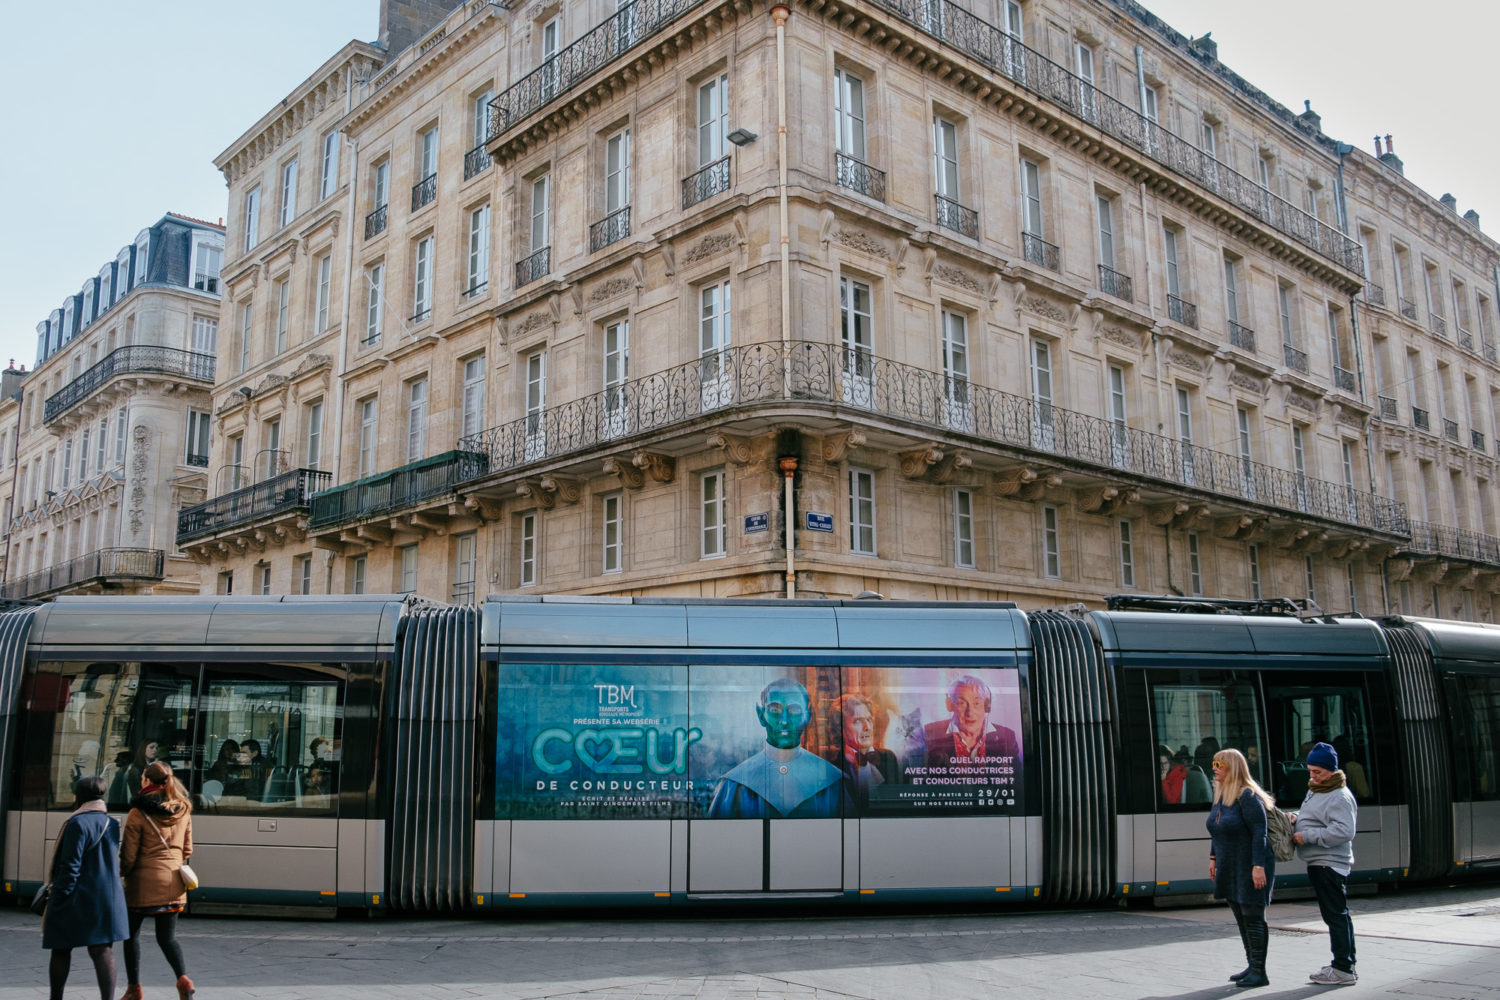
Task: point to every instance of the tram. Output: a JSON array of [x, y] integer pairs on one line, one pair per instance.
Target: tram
[[384, 753]]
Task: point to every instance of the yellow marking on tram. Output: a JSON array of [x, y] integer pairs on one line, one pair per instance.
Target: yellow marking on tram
[[518, 895], [1002, 888], [326, 892], [1164, 883], [661, 895], [480, 899], [867, 892]]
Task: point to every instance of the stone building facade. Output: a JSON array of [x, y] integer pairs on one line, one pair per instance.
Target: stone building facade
[[112, 427], [996, 300]]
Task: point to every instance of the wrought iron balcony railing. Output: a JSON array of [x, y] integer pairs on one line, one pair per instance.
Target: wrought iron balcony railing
[[137, 359], [952, 215], [613, 228], [834, 376], [1182, 311], [705, 183], [375, 222], [1476, 440], [398, 489], [986, 43], [1489, 353], [1242, 337], [1343, 379], [421, 315], [1112, 282], [1041, 253], [1450, 430], [423, 191], [281, 494], [1439, 325], [1454, 543], [1419, 419], [1388, 408], [104, 566], [620, 32], [533, 268], [476, 161], [1295, 360], [1374, 294], [859, 176], [1465, 339], [1409, 309], [198, 461]]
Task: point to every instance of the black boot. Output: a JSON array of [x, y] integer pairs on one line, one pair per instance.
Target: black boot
[[1257, 937], [1239, 920]]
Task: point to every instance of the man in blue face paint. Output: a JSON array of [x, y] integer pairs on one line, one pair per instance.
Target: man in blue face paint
[[783, 780]]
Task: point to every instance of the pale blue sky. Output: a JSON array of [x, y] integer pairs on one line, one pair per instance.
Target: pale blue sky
[[115, 110]]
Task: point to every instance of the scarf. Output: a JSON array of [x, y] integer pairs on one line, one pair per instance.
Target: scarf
[[153, 789], [1335, 780]]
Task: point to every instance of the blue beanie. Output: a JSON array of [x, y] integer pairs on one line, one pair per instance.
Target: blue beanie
[[1324, 756]]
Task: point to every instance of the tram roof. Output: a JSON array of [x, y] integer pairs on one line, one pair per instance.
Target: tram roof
[[1145, 631]]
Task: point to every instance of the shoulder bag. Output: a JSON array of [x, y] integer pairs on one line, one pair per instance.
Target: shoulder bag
[[184, 872]]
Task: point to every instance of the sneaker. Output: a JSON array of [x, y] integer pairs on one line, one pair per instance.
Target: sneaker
[[1329, 976]]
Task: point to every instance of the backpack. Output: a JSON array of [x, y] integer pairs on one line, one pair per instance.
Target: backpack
[[1279, 833]]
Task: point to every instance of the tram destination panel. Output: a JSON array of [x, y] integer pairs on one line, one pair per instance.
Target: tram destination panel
[[717, 741]]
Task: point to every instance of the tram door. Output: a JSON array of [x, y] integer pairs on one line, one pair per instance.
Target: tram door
[[769, 804]]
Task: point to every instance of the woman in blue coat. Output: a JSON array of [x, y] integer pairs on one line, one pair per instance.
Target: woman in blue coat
[[1241, 864], [87, 905]]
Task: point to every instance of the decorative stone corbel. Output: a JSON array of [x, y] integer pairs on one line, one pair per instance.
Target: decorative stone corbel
[[638, 271], [630, 477], [481, 508], [1106, 499], [575, 292], [735, 447], [1163, 514], [914, 464], [1292, 539], [825, 228], [422, 522], [567, 489], [1010, 483], [668, 259], [836, 446], [531, 489], [662, 468], [952, 464], [1400, 571]]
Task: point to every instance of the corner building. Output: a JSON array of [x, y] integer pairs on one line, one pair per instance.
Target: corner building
[[988, 301]]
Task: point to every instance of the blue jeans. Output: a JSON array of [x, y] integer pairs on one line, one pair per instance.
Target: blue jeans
[[1333, 902]]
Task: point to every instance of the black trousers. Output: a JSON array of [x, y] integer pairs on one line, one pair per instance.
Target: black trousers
[[166, 937], [1333, 902]]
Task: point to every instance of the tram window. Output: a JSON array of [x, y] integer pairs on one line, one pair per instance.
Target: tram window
[[1478, 705], [113, 720], [1302, 715], [1194, 722], [271, 741]]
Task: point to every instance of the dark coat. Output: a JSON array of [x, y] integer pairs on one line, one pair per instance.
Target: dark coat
[[1239, 844], [87, 905]]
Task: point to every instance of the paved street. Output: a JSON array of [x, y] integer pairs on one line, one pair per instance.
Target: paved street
[[1436, 944]]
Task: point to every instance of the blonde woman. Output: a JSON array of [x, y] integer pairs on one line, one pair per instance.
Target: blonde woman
[[158, 839], [1241, 864]]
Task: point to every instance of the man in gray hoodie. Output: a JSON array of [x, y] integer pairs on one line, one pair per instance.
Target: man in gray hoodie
[[1324, 833]]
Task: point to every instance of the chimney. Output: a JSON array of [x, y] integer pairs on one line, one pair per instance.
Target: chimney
[[1311, 117], [1472, 218], [1389, 157], [403, 22], [1450, 203], [1206, 45]]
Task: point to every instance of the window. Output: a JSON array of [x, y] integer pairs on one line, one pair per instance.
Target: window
[[610, 532], [715, 374], [473, 400], [963, 529], [325, 284], [106, 285], [1263, 167], [330, 175], [67, 465], [197, 438], [958, 410], [357, 575], [313, 421], [1312, 578], [862, 512], [206, 262], [1255, 571], [374, 278], [1210, 139], [422, 281], [252, 218], [1247, 460], [1174, 276], [1299, 465], [304, 574], [1119, 427], [1051, 545], [416, 419], [1043, 419], [369, 416], [536, 404], [1106, 209], [408, 564], [858, 334], [1284, 305], [1149, 105], [283, 308], [713, 120], [616, 371], [237, 461], [541, 202], [527, 576], [481, 108], [1127, 555], [1031, 199], [479, 250], [1193, 722], [382, 184], [1195, 565], [143, 255], [1477, 705], [849, 114], [1012, 32], [1083, 63], [265, 578], [226, 583], [102, 439], [711, 508], [272, 450], [617, 172], [945, 157], [247, 324], [551, 36], [1231, 293], [288, 192], [427, 156], [120, 426]]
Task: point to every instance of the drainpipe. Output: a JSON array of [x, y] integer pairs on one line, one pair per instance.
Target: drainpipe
[[1140, 76], [344, 331], [787, 464]]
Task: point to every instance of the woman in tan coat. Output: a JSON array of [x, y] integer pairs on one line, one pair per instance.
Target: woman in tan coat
[[157, 841]]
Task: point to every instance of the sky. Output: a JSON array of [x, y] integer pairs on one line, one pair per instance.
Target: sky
[[117, 109]]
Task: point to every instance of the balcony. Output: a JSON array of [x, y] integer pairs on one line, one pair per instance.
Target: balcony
[[1343, 379], [1242, 337], [831, 376], [703, 185], [1388, 409], [1182, 311], [375, 222], [620, 32], [1489, 353], [533, 268], [288, 492], [103, 568], [1419, 419], [423, 191], [613, 228], [476, 161], [858, 176], [1476, 440], [1295, 360], [399, 489], [1374, 294], [1450, 430], [1454, 543], [1465, 339], [986, 43], [134, 360], [1409, 309], [1041, 253], [1112, 282], [1439, 325], [952, 215]]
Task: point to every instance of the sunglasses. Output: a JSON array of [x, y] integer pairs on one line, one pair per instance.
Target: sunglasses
[[1218, 765]]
